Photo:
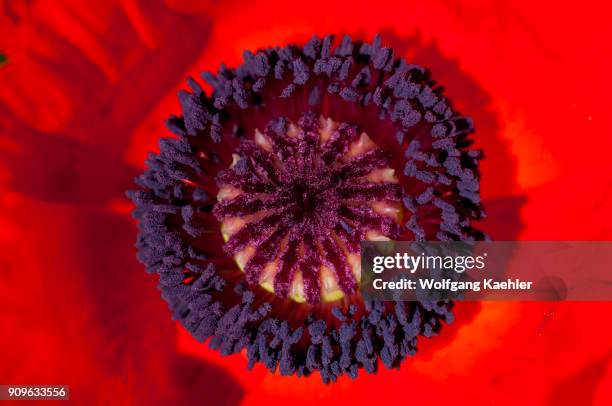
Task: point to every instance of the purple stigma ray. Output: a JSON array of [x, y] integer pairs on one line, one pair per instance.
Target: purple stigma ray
[[304, 203]]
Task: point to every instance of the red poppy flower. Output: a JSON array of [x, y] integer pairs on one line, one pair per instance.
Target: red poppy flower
[[85, 89]]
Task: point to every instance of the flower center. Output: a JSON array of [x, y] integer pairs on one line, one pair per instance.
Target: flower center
[[298, 199], [295, 200], [306, 199]]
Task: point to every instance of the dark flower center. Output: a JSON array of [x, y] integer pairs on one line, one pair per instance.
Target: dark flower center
[[306, 199], [272, 181]]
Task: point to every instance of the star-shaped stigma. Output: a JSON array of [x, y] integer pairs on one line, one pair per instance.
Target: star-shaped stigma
[[297, 201]]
